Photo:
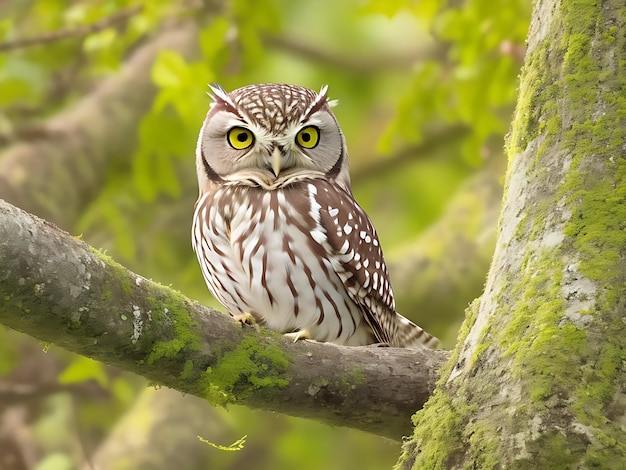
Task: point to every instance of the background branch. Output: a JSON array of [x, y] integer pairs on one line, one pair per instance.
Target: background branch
[[52, 36], [55, 288], [69, 162], [160, 431], [355, 64], [381, 164]]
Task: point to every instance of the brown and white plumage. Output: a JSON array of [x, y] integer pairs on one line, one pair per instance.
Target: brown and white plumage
[[276, 229]]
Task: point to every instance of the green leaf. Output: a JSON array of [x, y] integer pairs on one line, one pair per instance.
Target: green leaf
[[83, 369], [170, 69], [213, 38], [101, 40]]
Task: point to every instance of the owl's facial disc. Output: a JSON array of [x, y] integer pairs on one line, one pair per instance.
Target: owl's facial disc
[[271, 134], [258, 148]]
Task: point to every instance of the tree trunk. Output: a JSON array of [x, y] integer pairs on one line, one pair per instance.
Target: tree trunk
[[538, 377]]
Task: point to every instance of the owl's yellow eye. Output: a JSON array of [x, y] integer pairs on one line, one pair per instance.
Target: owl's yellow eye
[[240, 138], [308, 137]]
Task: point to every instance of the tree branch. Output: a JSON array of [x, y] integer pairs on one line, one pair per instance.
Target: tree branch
[[356, 64], [444, 136], [53, 36], [67, 164], [57, 289]]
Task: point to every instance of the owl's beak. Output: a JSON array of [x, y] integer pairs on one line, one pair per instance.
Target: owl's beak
[[277, 160]]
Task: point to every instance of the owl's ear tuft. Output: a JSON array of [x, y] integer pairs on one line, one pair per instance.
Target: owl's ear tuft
[[323, 96], [218, 92], [221, 97], [319, 102]]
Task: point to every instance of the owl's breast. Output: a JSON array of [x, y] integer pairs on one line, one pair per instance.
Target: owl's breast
[[259, 255]]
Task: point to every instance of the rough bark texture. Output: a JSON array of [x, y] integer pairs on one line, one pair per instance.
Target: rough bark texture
[[57, 289], [538, 378], [57, 175]]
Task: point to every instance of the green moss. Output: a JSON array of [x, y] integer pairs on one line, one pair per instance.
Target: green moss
[[484, 444], [352, 378], [439, 430], [552, 450], [539, 100], [607, 449], [119, 272], [598, 226], [479, 350], [254, 366], [172, 312], [563, 374], [320, 383], [167, 310], [188, 370]]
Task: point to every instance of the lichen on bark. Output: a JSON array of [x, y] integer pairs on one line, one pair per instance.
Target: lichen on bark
[[537, 382]]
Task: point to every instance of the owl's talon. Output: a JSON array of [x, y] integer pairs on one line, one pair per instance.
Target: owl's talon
[[246, 319], [379, 345], [298, 335]]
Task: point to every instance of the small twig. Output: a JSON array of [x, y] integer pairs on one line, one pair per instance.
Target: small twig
[[379, 165], [12, 394], [52, 36], [356, 64]]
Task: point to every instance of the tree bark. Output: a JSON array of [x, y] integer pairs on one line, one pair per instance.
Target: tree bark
[[537, 378], [57, 289]]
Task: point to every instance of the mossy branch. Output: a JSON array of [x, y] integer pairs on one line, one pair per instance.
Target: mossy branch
[[56, 288]]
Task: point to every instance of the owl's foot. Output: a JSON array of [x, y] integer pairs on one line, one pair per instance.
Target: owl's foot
[[379, 345], [246, 319], [298, 335]]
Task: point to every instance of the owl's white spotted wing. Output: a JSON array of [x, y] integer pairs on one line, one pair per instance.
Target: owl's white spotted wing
[[356, 255]]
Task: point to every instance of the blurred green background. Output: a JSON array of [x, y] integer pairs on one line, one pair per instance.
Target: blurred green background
[[100, 106]]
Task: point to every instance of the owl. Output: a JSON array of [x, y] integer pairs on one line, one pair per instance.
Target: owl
[[279, 236]]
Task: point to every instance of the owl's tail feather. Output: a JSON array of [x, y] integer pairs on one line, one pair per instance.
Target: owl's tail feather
[[411, 336]]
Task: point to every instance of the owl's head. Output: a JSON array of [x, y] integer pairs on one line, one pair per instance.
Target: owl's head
[[270, 135]]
